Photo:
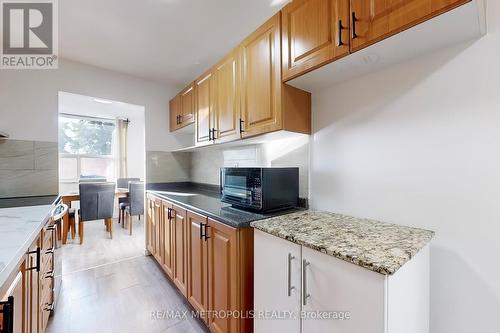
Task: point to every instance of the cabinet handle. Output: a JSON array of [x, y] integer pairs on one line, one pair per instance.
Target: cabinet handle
[[37, 266], [169, 213], [201, 230], [340, 28], [241, 125], [354, 20], [290, 287], [8, 315], [305, 295], [213, 133], [205, 233], [209, 135]]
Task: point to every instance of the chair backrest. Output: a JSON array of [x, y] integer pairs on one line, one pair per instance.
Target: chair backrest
[[123, 182], [136, 198], [97, 201], [92, 179]]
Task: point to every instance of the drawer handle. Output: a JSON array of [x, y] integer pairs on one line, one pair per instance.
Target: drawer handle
[[305, 295], [38, 255], [290, 287]]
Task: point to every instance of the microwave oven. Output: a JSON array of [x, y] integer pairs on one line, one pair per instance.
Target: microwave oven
[[260, 189]]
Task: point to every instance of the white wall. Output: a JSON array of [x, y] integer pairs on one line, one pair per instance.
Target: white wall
[[28, 100], [29, 105], [419, 144]]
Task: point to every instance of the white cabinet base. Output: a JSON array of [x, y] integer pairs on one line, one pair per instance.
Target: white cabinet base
[[332, 295]]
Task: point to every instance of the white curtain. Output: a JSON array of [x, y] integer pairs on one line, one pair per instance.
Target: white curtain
[[122, 126]]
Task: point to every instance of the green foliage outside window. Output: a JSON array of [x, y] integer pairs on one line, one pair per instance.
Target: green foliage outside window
[[85, 136]]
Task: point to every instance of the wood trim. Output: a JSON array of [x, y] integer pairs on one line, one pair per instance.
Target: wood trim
[[297, 109]]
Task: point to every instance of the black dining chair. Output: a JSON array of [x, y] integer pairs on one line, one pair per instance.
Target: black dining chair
[[72, 210], [123, 202], [135, 206], [96, 203]]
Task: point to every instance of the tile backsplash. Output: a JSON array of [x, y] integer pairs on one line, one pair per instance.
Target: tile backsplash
[[205, 164], [28, 168]]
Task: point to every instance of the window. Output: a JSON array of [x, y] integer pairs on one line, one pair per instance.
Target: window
[[86, 148]]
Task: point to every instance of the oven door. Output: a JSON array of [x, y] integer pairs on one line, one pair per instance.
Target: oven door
[[242, 187]]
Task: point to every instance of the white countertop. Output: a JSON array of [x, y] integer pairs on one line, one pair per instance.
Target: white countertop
[[19, 227]]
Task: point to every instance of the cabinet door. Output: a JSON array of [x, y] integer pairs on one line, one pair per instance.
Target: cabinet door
[[197, 262], [277, 282], [378, 19], [175, 112], [156, 227], [180, 261], [204, 109], [314, 33], [149, 226], [14, 290], [261, 79], [222, 275], [334, 285], [187, 105], [227, 102], [167, 238]]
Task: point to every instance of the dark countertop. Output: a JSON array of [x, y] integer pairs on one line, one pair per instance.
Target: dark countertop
[[205, 199]]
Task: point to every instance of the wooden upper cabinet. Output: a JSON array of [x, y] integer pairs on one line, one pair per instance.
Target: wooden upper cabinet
[[197, 292], [261, 80], [314, 32], [187, 105], [374, 20], [175, 113], [204, 108], [226, 98]]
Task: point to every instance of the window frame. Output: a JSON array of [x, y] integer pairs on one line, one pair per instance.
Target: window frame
[[79, 157]]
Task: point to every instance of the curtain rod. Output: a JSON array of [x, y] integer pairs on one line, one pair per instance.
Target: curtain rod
[[91, 117]]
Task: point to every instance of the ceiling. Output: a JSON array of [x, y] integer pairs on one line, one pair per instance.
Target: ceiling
[[170, 41]]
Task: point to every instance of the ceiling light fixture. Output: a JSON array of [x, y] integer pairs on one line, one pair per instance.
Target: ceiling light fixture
[[103, 101]]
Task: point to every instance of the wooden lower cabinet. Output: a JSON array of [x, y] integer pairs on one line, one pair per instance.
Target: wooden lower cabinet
[[197, 292], [153, 226], [212, 267], [166, 239], [29, 289], [180, 248], [12, 304]]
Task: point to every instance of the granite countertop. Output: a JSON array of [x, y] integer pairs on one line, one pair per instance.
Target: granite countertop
[[19, 227], [205, 199], [380, 247]]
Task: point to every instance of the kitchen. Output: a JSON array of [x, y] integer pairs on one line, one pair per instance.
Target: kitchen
[[392, 123]]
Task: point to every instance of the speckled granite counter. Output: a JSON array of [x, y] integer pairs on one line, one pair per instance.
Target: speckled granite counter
[[377, 246], [18, 229]]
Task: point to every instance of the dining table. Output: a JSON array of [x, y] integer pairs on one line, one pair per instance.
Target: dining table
[[68, 198]]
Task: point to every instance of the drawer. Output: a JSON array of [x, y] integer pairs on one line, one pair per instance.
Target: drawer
[[47, 264], [46, 288], [48, 237]]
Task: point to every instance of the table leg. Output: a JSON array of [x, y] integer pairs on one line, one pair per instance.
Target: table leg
[[65, 227]]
